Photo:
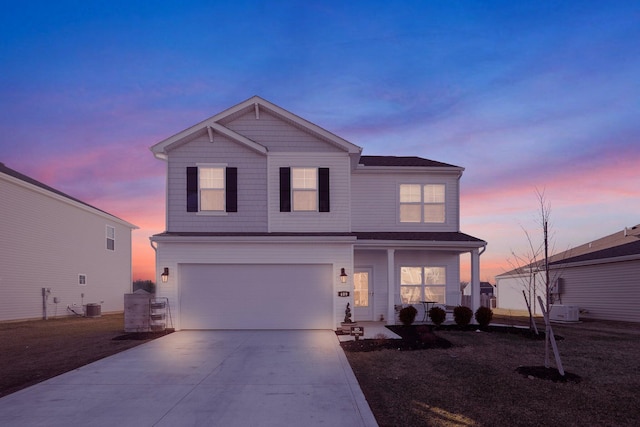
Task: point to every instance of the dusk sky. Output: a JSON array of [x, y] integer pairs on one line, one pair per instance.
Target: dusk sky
[[523, 94]]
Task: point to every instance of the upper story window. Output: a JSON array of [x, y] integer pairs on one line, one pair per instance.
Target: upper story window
[[111, 238], [422, 203], [212, 189], [211, 185], [304, 189]]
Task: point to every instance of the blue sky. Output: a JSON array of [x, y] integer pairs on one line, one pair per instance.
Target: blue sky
[[524, 95]]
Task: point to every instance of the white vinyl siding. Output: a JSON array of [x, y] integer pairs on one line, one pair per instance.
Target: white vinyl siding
[[375, 201], [251, 184], [422, 203], [337, 220], [608, 290], [376, 261], [47, 240], [175, 254], [277, 134]]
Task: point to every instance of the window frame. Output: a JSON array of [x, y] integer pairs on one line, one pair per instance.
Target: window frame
[[110, 238], [411, 202], [223, 170], [312, 192], [321, 192], [194, 187], [424, 285]]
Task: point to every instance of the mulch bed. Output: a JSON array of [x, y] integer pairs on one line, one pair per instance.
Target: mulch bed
[[142, 335], [424, 337], [413, 337], [550, 374]]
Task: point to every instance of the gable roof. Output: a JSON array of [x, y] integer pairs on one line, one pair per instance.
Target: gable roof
[[255, 103], [626, 250], [400, 161], [25, 180], [614, 245]]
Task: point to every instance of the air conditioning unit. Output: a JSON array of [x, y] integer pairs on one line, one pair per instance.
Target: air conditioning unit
[[564, 313]]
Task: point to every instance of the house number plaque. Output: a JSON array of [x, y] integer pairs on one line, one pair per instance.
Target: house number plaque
[[343, 293]]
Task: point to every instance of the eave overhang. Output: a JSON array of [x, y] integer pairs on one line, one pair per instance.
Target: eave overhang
[[216, 123]]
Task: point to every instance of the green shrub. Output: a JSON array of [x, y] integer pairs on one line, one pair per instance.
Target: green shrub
[[484, 316], [437, 315], [462, 315], [408, 315]]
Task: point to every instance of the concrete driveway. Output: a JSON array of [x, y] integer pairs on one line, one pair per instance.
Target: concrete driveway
[[203, 378]]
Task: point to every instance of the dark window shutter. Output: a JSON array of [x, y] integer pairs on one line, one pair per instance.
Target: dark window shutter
[[232, 189], [285, 189], [323, 190], [192, 189]]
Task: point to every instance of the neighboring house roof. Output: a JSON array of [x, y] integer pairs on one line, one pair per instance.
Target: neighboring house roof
[[30, 181], [255, 103], [626, 250], [400, 161], [612, 246]]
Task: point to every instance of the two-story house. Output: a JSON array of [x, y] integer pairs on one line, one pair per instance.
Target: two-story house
[[276, 223], [57, 251]]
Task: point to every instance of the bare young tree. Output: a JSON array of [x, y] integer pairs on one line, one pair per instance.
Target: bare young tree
[[528, 266]]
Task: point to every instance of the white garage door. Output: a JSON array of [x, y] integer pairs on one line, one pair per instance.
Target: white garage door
[[253, 296]]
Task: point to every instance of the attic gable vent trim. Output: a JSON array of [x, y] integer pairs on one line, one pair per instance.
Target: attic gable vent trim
[[257, 108], [210, 131]]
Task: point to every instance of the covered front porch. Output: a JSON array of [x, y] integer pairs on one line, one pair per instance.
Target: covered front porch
[[410, 269]]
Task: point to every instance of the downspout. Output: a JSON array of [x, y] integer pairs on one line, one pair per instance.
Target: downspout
[[155, 249]]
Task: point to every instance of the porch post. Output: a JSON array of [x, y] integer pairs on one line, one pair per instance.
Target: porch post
[[475, 279], [391, 314]]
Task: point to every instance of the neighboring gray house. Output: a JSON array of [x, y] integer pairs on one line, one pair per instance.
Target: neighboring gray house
[[56, 251], [274, 222], [601, 279]]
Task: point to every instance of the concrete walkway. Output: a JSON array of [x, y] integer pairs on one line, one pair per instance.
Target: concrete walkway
[[203, 378]]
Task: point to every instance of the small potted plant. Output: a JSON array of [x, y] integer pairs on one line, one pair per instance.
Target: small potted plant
[[348, 323]]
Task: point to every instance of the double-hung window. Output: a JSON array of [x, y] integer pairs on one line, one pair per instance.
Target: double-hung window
[[111, 238], [304, 189], [423, 284], [212, 189], [422, 203]]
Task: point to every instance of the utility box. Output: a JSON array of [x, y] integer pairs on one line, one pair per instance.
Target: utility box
[[93, 310], [136, 311], [564, 313]]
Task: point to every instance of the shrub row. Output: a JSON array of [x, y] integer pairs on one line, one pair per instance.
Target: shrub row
[[461, 315]]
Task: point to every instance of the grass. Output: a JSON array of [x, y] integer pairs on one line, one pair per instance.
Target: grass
[[474, 383], [34, 351]]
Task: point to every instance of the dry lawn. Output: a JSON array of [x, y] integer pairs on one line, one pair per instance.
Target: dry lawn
[[34, 351], [474, 383]]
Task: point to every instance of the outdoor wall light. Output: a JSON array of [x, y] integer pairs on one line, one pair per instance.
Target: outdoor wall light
[[343, 276], [165, 275]]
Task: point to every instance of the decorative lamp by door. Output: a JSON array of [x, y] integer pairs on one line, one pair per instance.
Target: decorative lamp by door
[[343, 276], [165, 275]]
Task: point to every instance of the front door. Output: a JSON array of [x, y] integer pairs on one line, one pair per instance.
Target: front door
[[363, 294]]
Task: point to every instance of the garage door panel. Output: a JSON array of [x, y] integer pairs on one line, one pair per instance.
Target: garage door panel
[[256, 296]]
